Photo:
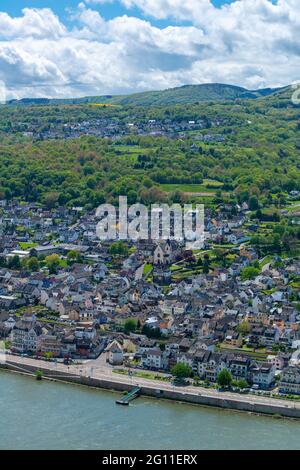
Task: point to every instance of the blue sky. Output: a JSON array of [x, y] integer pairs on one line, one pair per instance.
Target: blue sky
[[15, 6], [108, 11], [94, 47]]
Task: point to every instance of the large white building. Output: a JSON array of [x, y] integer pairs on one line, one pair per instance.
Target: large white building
[[290, 381], [263, 375], [26, 335]]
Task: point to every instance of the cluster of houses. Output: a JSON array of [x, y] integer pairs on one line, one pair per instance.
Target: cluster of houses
[[211, 324], [209, 321], [28, 336], [116, 127]]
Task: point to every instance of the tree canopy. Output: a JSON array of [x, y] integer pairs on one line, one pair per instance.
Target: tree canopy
[[181, 371], [224, 378]]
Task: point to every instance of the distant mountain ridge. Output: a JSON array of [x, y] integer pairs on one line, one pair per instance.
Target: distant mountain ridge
[[187, 94]]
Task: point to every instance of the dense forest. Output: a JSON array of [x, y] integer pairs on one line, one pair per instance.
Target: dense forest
[[259, 158]]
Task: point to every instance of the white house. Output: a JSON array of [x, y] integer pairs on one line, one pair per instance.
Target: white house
[[153, 359], [263, 375], [290, 382], [26, 336], [115, 353]]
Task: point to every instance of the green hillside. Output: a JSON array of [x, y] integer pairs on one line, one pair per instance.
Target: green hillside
[[188, 94], [256, 160]]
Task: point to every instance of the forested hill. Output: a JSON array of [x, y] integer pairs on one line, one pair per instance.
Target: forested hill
[[188, 94], [83, 154]]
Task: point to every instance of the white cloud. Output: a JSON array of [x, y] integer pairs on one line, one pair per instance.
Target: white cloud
[[251, 43], [36, 23], [186, 10]]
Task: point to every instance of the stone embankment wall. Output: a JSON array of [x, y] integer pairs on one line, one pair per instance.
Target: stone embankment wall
[[179, 395]]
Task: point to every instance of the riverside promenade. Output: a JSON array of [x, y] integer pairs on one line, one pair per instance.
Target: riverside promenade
[[97, 374]]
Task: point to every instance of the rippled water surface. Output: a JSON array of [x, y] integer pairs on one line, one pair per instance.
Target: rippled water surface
[[47, 415]]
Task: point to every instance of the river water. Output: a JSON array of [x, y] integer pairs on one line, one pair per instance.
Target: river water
[[47, 415]]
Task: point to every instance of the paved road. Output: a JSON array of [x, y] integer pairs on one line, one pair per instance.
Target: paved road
[[99, 369]]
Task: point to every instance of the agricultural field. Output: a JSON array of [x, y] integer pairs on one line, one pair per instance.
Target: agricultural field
[[207, 188]]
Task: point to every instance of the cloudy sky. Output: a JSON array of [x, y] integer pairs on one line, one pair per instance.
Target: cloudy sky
[[75, 48]]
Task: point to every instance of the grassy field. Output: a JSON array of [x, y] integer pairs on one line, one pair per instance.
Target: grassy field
[[147, 269], [265, 261], [260, 355], [142, 374], [205, 187], [27, 245]]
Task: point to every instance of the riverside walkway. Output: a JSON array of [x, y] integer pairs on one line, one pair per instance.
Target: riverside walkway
[[97, 370]]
